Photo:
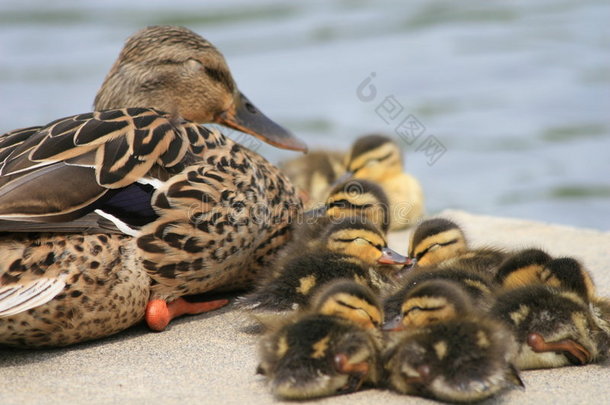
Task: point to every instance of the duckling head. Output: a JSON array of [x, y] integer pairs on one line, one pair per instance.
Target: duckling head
[[567, 273], [358, 238], [430, 302], [521, 269], [436, 240], [349, 300], [374, 157], [177, 71], [358, 197]]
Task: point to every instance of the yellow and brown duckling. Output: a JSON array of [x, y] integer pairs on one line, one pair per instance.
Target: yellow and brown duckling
[[439, 242], [314, 174], [332, 349], [447, 349], [553, 318], [522, 268], [187, 195], [379, 159], [353, 198], [349, 248]]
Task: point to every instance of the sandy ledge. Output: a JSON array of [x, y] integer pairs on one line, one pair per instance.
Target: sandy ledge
[[210, 359]]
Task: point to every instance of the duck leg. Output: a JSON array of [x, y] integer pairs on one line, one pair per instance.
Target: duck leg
[[356, 371], [574, 351], [159, 312]]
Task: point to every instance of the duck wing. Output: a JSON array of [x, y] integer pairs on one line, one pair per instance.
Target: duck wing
[[18, 298], [105, 161]]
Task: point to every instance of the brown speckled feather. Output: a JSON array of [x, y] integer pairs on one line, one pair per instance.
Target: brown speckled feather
[[104, 289], [219, 224]]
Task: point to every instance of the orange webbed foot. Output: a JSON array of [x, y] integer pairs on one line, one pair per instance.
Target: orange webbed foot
[[356, 371], [159, 313], [574, 351]]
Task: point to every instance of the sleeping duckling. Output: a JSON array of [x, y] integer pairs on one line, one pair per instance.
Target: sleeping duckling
[[332, 350], [426, 303], [348, 248], [441, 242], [313, 174], [350, 199], [553, 327], [522, 268], [448, 351], [378, 158], [478, 286]]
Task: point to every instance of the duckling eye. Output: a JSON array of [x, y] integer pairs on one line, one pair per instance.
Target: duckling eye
[[345, 304], [339, 204], [433, 247]]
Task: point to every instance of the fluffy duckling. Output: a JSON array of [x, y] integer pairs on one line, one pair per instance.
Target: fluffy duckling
[[331, 350], [348, 248], [553, 310], [441, 242], [522, 268], [378, 158], [448, 350], [352, 198], [478, 286], [314, 174], [553, 327], [427, 302]]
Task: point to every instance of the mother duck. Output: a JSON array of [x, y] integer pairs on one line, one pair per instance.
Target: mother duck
[[113, 216]]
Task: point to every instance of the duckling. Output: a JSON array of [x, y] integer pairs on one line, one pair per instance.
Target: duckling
[[553, 309], [352, 198], [553, 327], [201, 212], [428, 302], [478, 286], [332, 349], [448, 350], [439, 242], [378, 158], [314, 174], [348, 248], [522, 268]]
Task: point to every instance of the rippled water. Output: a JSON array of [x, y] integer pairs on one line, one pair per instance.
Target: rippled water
[[511, 100]]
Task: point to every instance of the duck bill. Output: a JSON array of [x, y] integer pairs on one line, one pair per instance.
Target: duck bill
[[388, 256], [247, 118], [342, 179], [393, 325], [317, 212]]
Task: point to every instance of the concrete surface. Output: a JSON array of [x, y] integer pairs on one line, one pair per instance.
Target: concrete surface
[[210, 359]]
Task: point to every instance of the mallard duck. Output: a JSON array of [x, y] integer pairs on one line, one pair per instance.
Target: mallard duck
[[314, 174], [378, 158], [439, 242], [349, 248], [330, 350], [203, 213], [448, 350]]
